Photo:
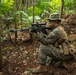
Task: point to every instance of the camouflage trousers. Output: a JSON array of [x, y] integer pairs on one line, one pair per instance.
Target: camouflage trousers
[[52, 52]]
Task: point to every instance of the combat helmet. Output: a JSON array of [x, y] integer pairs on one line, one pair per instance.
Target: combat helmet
[[54, 17]]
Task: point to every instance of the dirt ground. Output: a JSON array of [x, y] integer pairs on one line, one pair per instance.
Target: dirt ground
[[20, 58], [69, 23]]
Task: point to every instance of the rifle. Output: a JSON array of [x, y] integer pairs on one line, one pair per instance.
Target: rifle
[[36, 27], [40, 27]]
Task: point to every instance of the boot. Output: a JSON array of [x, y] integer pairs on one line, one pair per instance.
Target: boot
[[39, 69]]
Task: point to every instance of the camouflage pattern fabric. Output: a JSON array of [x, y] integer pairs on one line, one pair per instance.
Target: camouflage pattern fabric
[[48, 49], [52, 52], [57, 33]]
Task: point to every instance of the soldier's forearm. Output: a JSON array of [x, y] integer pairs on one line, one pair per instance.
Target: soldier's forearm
[[45, 41]]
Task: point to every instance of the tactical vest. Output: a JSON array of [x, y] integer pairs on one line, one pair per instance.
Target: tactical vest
[[64, 45]]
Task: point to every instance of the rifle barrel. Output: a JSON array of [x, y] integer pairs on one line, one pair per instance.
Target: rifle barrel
[[22, 29]]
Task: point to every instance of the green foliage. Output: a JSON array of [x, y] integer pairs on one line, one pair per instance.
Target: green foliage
[[69, 6], [27, 20], [37, 10], [55, 4], [40, 9], [29, 70], [7, 48], [51, 7], [5, 6], [44, 5]]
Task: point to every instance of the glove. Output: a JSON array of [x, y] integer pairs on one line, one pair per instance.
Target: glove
[[38, 36], [45, 32]]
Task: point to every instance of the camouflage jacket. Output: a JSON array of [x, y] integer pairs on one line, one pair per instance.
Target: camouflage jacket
[[57, 34]]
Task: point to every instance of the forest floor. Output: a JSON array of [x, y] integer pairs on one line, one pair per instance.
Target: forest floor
[[18, 59]]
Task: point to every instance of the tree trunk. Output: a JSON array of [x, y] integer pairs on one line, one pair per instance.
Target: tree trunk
[[0, 51], [75, 6], [33, 9], [27, 6], [9, 34], [15, 24], [61, 8], [20, 9], [0, 55]]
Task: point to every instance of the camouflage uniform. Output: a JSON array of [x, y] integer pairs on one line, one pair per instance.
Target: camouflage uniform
[[49, 47], [55, 45]]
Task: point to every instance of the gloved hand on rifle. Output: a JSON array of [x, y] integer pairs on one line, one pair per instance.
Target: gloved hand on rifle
[[38, 33], [39, 36], [39, 27], [35, 30]]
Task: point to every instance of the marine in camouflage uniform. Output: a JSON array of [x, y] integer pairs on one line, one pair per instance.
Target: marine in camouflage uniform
[[52, 44]]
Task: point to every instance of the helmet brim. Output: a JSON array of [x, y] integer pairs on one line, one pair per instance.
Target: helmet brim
[[53, 19]]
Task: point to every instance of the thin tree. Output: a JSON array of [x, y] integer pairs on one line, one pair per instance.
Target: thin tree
[[0, 50], [33, 35], [33, 9], [15, 7], [61, 8], [20, 9], [27, 6]]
